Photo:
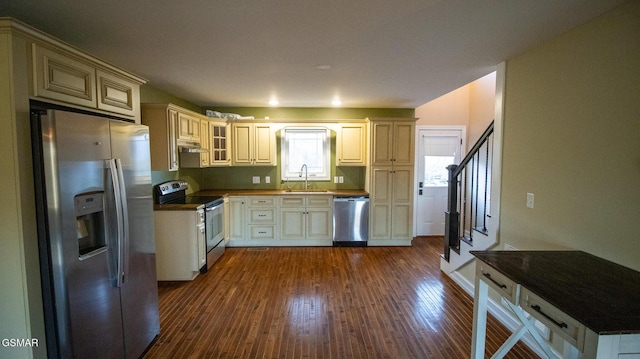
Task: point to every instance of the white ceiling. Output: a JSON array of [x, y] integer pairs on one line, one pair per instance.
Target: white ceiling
[[381, 53]]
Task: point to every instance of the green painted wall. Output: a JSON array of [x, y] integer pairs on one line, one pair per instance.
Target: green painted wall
[[310, 113], [151, 94]]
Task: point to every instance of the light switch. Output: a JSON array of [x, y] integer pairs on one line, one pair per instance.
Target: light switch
[[529, 200], [267, 179], [256, 179]]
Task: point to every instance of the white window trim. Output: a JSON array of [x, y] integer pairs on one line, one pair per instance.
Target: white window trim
[[284, 155]]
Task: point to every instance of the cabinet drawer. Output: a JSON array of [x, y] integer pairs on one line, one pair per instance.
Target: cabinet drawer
[[503, 285], [262, 232], [288, 201], [306, 201], [319, 201], [262, 215], [559, 322], [262, 201]]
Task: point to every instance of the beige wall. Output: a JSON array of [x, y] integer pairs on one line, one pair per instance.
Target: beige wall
[[451, 109], [482, 95], [471, 105], [572, 137]]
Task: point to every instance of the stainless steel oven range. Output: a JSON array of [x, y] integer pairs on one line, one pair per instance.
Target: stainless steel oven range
[[174, 192]]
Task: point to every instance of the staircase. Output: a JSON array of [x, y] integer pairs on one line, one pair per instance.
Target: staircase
[[468, 216]]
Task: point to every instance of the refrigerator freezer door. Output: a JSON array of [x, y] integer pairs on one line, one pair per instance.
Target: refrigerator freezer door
[[139, 291], [75, 152]]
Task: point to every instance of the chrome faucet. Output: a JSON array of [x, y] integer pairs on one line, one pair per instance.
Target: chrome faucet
[[306, 175]]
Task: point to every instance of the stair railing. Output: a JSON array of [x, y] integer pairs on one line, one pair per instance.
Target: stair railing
[[467, 212]]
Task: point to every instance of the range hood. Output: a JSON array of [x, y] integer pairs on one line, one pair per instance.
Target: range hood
[[191, 147]]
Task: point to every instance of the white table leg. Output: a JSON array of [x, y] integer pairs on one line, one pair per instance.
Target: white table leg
[[478, 335]]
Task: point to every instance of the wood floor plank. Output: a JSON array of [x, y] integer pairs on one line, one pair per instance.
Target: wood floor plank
[[322, 302]]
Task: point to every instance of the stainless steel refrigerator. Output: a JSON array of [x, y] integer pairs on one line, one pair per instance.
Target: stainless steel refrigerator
[[96, 239]]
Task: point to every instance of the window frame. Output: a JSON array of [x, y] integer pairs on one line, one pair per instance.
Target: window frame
[[294, 174]]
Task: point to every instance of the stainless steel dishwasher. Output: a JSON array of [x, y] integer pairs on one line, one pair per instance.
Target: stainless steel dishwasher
[[350, 221]]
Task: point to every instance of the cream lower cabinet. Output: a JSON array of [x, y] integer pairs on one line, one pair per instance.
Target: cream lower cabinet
[[262, 218], [237, 219], [253, 221], [306, 220], [280, 221], [180, 244], [391, 206]]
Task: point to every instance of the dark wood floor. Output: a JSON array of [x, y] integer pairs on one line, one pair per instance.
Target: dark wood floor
[[322, 302]]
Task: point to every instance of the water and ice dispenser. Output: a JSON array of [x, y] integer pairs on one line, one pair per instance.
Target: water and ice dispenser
[[90, 224]]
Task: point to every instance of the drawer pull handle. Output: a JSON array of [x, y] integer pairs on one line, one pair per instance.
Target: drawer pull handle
[[539, 310], [503, 286]]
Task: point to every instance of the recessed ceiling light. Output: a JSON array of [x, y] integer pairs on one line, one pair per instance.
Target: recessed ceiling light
[[336, 102], [323, 67], [273, 102]]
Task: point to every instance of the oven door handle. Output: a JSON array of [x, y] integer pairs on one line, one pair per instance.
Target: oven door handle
[[213, 208]]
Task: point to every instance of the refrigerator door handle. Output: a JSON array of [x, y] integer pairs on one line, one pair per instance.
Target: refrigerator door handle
[[115, 180], [124, 250]]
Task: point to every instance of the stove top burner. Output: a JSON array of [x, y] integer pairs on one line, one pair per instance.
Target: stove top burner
[[174, 192]]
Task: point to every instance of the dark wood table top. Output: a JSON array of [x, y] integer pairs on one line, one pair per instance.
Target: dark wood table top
[[602, 295]]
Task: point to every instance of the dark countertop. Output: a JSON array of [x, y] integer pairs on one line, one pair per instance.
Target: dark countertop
[[278, 192], [176, 207], [255, 192], [602, 295]]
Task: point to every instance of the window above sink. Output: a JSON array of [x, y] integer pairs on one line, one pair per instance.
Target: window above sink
[[306, 153]]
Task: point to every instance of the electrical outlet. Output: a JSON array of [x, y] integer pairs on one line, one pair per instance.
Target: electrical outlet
[[529, 200], [336, 179], [341, 179], [267, 179], [256, 179]]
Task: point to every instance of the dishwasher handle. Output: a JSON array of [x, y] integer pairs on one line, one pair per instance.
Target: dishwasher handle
[[351, 199]]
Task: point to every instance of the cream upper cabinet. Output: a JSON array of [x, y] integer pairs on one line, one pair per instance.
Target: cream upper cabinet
[[166, 122], [188, 128], [163, 123], [392, 142], [205, 143], [63, 78], [351, 143], [117, 94], [253, 144], [219, 143], [73, 79]]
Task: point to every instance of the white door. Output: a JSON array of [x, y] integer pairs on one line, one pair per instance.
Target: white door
[[438, 147]]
